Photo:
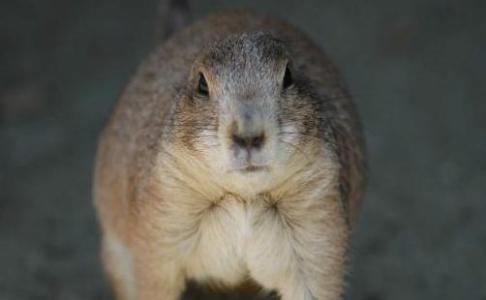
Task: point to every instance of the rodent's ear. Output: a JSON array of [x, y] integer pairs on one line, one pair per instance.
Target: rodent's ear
[[287, 79]]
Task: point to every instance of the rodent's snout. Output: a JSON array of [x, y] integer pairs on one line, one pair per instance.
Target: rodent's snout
[[247, 131], [248, 139]]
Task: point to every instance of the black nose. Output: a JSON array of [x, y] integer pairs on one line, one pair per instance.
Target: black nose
[[250, 142]]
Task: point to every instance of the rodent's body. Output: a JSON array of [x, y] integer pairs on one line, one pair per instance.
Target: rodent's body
[[169, 208]]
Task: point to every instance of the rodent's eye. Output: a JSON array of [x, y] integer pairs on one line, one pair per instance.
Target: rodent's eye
[[287, 80], [202, 86]]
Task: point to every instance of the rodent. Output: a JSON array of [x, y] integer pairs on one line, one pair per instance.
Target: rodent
[[234, 153]]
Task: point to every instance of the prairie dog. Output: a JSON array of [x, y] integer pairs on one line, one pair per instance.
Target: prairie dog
[[234, 153]]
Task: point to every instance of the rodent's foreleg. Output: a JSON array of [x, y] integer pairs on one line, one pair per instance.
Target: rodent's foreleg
[[140, 273], [156, 277], [117, 261], [299, 251]]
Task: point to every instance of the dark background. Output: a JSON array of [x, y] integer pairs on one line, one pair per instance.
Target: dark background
[[416, 68]]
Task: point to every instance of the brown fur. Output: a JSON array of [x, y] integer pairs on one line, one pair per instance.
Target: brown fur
[[159, 206]]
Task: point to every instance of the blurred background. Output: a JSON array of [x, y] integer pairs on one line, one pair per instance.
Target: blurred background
[[416, 68]]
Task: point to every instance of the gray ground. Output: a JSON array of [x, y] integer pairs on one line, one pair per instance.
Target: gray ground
[[417, 69]]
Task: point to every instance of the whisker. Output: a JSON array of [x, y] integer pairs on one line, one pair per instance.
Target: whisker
[[298, 149], [298, 134]]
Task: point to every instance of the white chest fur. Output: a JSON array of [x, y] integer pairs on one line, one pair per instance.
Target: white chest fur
[[290, 238], [221, 251]]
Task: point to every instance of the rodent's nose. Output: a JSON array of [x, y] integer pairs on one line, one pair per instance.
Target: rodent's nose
[[249, 142], [247, 130]]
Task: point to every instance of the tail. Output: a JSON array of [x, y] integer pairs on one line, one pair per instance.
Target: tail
[[172, 16]]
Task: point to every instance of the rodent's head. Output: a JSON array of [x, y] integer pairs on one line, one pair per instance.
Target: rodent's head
[[247, 111]]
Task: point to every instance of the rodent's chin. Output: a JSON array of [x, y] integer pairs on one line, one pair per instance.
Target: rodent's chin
[[248, 181]]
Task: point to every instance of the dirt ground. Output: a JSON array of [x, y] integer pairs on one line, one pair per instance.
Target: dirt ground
[[416, 68]]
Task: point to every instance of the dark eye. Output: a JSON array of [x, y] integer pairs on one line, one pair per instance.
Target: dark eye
[[202, 86], [287, 80]]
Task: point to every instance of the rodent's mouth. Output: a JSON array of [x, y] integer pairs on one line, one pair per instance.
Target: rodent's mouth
[[252, 169]]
